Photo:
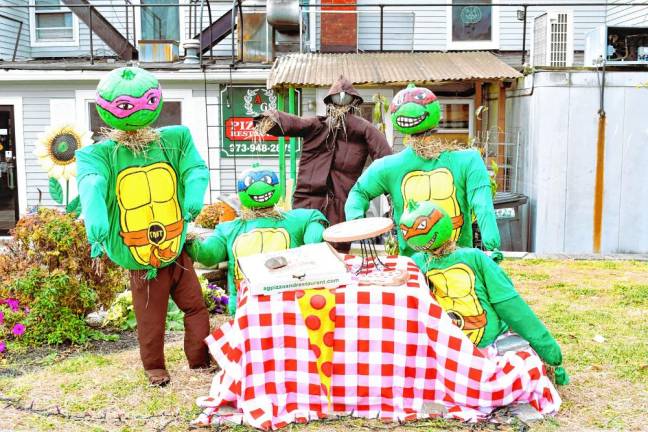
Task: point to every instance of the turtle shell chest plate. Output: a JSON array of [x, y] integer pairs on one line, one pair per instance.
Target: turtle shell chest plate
[[149, 213], [436, 186]]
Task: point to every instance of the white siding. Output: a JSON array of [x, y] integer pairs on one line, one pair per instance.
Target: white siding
[[626, 16], [431, 25], [9, 32], [218, 8], [113, 11], [557, 163]]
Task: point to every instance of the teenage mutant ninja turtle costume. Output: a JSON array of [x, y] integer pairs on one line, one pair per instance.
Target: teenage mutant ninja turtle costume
[[261, 228], [138, 189], [473, 290], [429, 169], [334, 152]]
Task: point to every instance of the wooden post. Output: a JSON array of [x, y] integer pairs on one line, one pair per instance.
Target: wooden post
[[479, 99], [501, 135]]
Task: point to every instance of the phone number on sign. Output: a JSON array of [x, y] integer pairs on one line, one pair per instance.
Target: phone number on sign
[[252, 148]]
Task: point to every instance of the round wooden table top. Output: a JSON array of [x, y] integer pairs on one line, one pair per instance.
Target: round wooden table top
[[358, 229]]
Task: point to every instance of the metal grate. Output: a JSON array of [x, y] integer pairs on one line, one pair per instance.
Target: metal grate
[[552, 39], [559, 37]]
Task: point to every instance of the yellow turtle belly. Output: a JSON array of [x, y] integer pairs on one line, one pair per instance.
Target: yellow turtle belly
[[436, 186], [150, 217], [257, 241], [454, 289]]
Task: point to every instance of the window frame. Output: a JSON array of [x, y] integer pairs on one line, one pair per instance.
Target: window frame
[[181, 15], [494, 43], [471, 120], [35, 42]]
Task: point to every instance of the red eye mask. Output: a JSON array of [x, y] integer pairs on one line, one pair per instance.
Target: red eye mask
[[420, 96]]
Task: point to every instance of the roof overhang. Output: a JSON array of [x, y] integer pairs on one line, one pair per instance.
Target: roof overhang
[[397, 69]]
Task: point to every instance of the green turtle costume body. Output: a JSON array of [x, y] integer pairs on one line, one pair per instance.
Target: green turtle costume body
[[262, 228], [456, 180], [138, 190], [471, 288]]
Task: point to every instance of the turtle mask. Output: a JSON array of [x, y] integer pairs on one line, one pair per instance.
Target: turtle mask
[[425, 226], [258, 188], [129, 98], [415, 110]]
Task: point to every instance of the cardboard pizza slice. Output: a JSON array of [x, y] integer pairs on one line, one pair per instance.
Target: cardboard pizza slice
[[317, 307]]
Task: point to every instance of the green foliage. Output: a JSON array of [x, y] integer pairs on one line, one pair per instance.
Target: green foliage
[[121, 314], [47, 267], [74, 206], [57, 308], [493, 177], [55, 190], [381, 107]]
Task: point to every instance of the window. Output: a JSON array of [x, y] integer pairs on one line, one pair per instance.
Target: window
[[473, 27], [456, 119], [171, 115], [455, 116], [52, 23], [160, 21]]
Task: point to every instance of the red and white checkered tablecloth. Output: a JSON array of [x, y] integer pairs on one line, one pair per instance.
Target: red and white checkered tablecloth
[[397, 356]]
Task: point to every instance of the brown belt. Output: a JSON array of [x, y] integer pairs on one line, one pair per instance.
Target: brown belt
[[457, 221], [140, 238], [474, 322]]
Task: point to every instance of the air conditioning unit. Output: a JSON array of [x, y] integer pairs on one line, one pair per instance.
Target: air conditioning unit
[[553, 39]]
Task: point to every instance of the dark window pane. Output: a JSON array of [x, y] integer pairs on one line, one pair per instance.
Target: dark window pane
[[171, 115], [472, 23]]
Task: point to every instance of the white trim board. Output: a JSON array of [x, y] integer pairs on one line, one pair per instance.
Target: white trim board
[[253, 77], [21, 168]]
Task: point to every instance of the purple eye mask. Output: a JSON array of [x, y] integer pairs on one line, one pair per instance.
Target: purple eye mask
[[124, 105]]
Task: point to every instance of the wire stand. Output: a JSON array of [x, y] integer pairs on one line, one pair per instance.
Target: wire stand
[[369, 254]]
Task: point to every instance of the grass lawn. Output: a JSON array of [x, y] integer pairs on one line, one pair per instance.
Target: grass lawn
[[596, 310]]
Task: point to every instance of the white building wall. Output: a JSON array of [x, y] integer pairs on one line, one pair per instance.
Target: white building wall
[[64, 98], [557, 168], [626, 16]]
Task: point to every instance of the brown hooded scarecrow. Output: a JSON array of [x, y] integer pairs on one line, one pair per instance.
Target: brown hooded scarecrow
[[334, 151]]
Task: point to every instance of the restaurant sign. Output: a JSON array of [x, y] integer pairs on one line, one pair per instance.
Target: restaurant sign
[[239, 106]]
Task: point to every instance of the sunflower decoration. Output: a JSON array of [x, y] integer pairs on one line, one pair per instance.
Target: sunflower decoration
[[55, 150]]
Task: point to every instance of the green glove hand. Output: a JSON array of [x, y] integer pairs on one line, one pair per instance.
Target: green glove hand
[[96, 251], [192, 209], [560, 375], [497, 256]]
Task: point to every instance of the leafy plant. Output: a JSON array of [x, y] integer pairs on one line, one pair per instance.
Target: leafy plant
[[381, 107], [213, 214], [12, 319], [47, 268], [493, 177]]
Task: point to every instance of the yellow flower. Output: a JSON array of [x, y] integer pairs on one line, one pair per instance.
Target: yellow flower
[[56, 146]]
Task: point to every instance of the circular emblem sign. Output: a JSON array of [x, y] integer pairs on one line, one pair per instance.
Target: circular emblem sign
[[471, 15]]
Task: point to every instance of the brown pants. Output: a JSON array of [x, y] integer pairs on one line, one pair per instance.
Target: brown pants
[[150, 301]]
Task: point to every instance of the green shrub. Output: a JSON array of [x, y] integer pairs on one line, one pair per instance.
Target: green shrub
[[47, 267]]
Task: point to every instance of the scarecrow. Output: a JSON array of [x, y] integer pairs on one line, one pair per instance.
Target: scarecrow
[[453, 177], [261, 228], [334, 151], [473, 290], [139, 188]]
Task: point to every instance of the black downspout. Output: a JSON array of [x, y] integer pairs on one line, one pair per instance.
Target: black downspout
[[382, 10], [524, 32]]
